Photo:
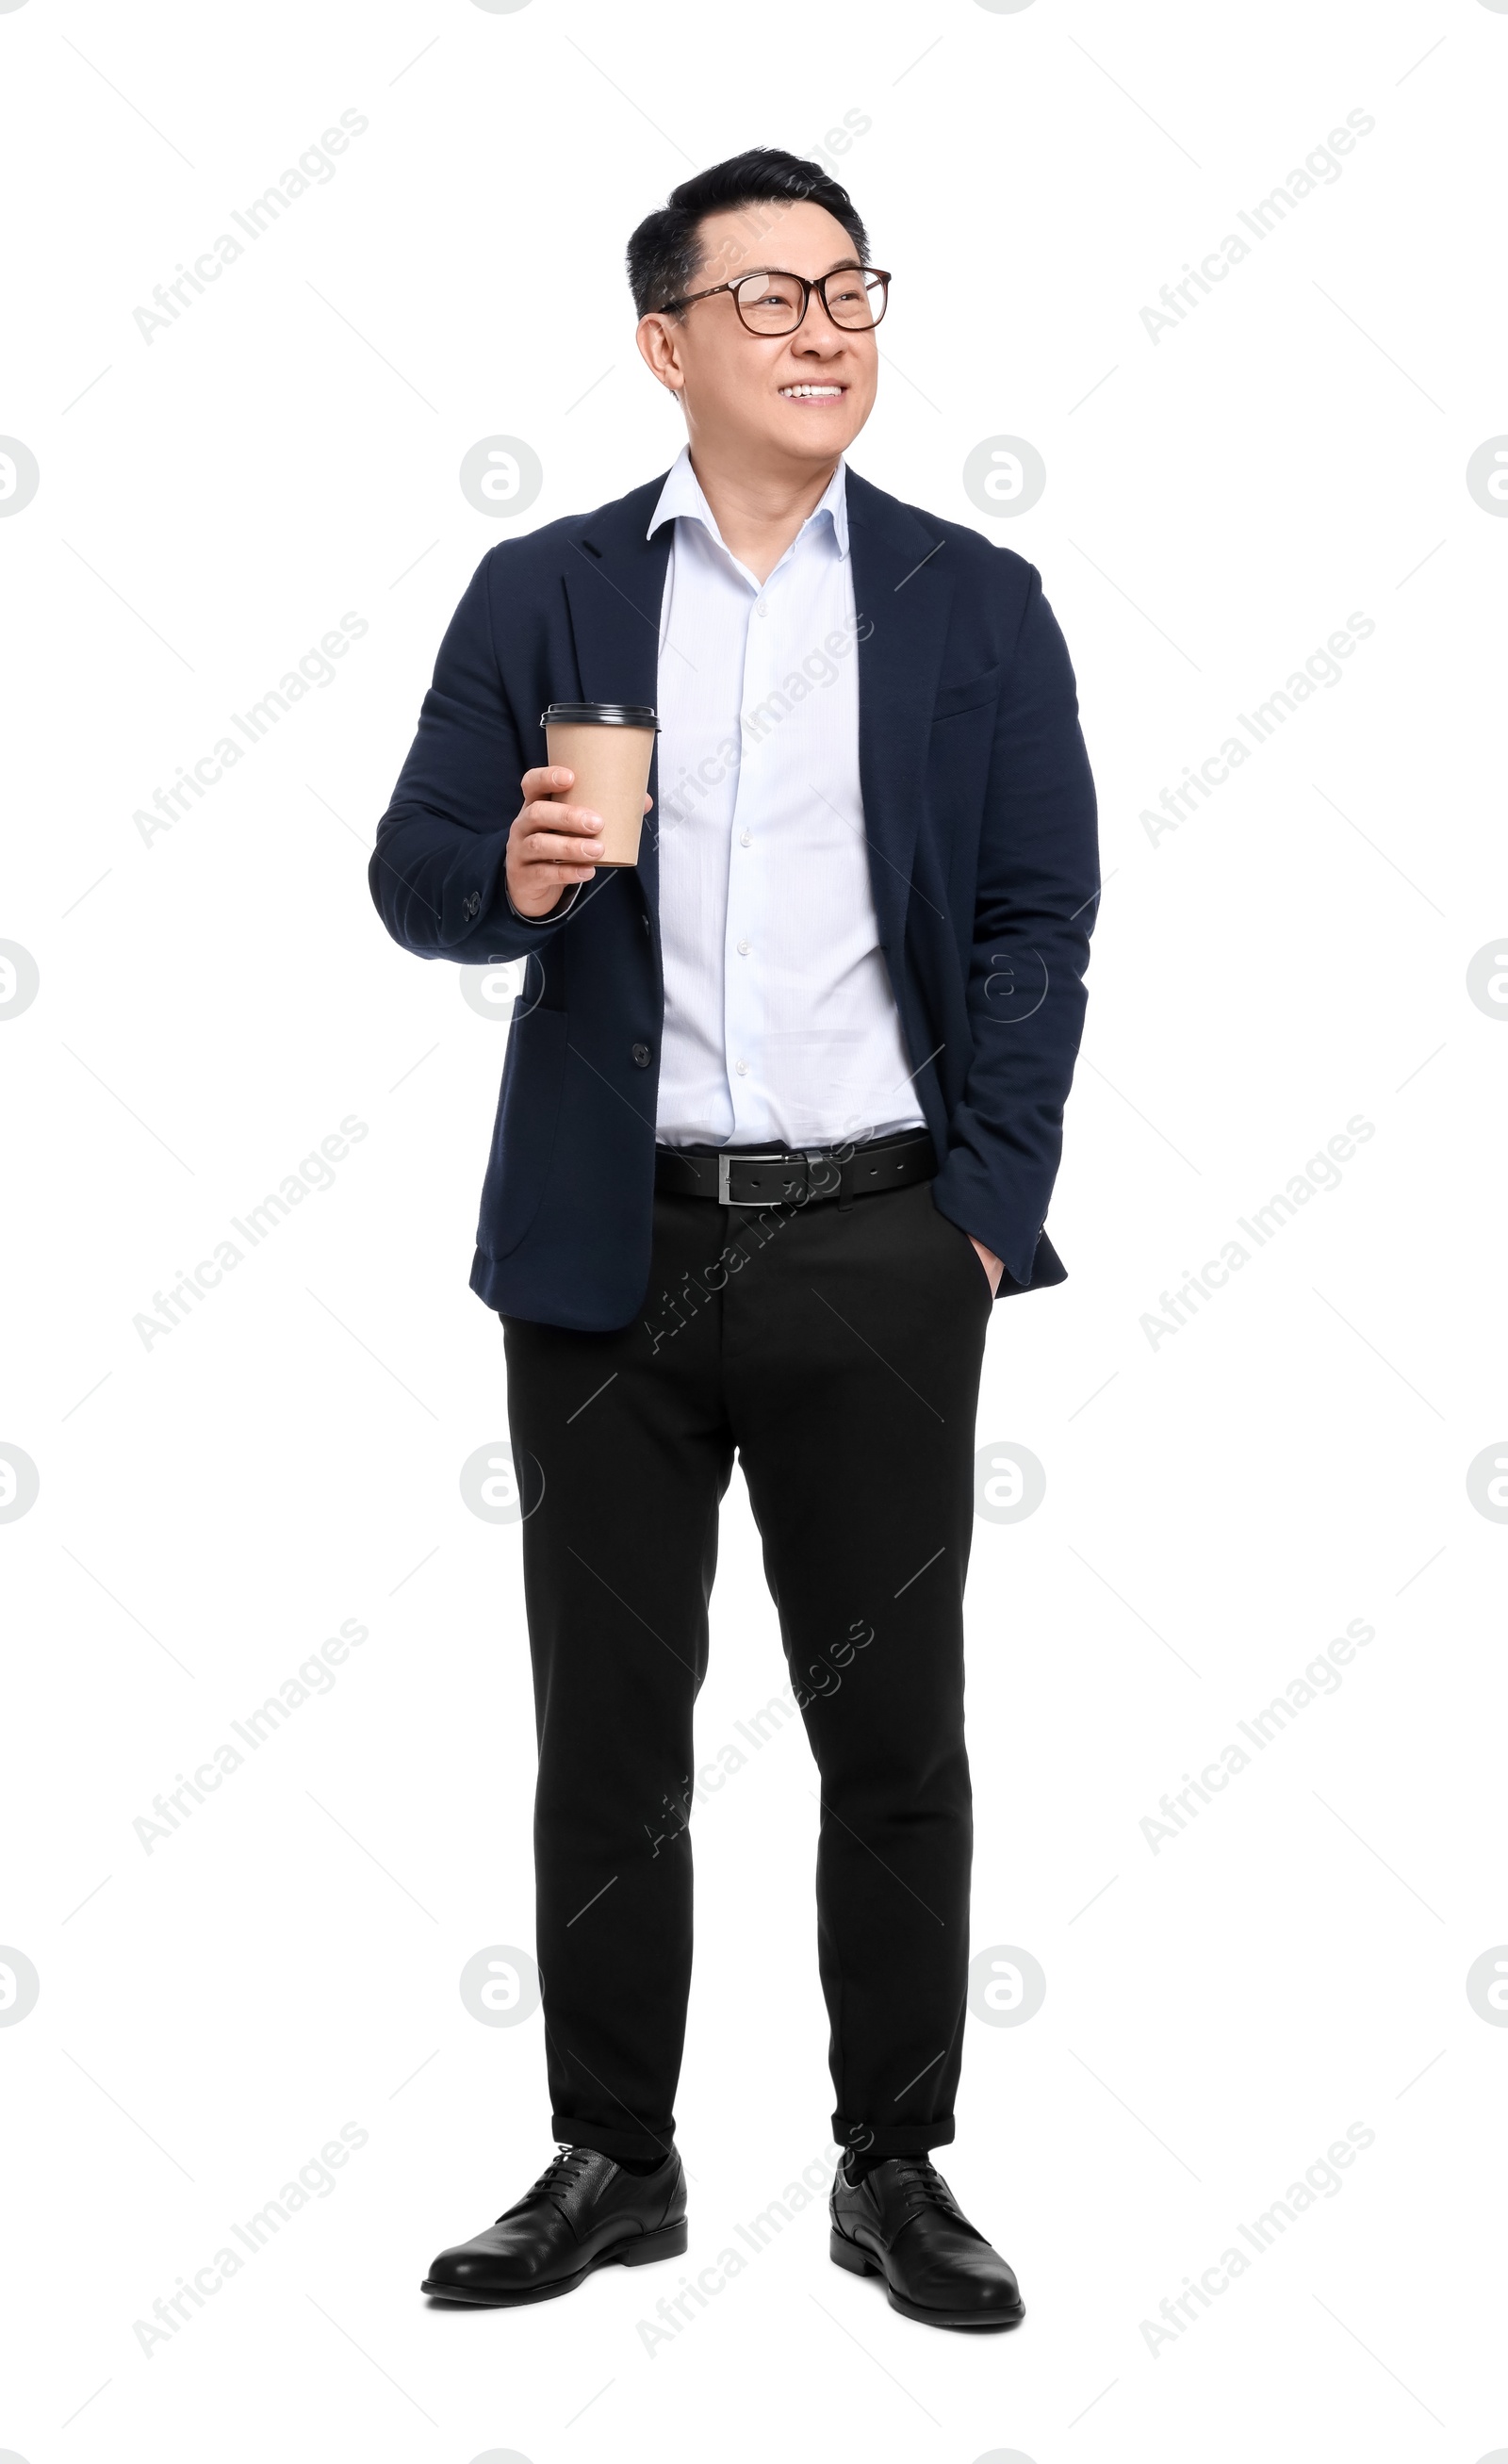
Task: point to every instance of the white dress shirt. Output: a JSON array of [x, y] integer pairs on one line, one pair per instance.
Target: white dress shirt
[[779, 1023]]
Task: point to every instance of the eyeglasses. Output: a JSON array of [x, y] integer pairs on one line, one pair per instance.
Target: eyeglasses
[[776, 303]]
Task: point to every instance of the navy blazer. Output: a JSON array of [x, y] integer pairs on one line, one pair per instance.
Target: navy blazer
[[979, 809]]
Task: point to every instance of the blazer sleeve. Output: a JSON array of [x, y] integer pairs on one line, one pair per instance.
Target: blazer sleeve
[[436, 874], [1037, 898]]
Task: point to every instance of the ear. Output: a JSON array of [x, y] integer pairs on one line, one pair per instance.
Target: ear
[[659, 344]]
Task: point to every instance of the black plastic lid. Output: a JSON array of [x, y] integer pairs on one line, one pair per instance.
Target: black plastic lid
[[599, 714]]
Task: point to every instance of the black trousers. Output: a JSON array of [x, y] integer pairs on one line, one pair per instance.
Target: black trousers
[[838, 1350]]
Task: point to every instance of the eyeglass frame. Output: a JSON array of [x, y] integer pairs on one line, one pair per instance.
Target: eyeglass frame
[[809, 283]]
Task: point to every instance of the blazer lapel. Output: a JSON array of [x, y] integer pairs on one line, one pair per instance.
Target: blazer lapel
[[615, 584], [901, 592]]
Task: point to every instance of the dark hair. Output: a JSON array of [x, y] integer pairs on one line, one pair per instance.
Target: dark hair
[[664, 254]]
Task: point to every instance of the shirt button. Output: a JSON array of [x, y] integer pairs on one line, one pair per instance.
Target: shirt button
[[743, 949], [642, 1056], [743, 839], [742, 1068]]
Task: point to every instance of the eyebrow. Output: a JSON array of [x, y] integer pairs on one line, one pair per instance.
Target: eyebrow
[[843, 265]]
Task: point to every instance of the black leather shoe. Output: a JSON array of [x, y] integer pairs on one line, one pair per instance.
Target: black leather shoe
[[584, 2211], [902, 2222]]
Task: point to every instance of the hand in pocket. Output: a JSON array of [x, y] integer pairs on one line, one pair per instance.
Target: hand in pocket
[[994, 1266]]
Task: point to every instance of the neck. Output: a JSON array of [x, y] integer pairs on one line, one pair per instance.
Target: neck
[[757, 512]]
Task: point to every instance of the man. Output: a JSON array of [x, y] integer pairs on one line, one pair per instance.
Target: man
[[780, 1116]]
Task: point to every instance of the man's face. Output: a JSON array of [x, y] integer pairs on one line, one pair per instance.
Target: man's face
[[740, 389]]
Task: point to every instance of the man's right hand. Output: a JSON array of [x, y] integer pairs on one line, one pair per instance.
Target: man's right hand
[[550, 844]]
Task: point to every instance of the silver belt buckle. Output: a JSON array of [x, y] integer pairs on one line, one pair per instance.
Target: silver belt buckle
[[725, 1165]]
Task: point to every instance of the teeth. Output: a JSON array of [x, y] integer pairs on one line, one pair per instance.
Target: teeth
[[813, 393]]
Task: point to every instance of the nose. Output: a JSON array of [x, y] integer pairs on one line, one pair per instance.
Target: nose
[[816, 334]]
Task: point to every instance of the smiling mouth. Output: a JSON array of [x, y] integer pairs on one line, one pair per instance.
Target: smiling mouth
[[813, 392]]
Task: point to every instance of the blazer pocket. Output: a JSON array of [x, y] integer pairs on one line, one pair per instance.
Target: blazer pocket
[[953, 699]]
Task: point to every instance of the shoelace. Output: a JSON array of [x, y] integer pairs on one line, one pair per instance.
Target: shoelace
[[923, 2187], [561, 2173]]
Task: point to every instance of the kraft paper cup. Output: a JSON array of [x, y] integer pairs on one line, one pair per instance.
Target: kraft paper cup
[[610, 745]]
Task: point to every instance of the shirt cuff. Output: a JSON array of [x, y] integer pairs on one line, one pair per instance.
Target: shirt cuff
[[562, 907]]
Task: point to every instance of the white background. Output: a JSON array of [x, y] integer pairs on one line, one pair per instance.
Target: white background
[[213, 1003]]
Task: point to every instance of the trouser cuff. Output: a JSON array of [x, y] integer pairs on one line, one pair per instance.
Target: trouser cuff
[[883, 2139], [609, 2142]]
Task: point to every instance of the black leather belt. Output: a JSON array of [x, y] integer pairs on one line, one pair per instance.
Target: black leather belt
[[795, 1176]]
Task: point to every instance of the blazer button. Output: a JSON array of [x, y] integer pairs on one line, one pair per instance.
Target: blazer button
[[642, 1056], [472, 905]]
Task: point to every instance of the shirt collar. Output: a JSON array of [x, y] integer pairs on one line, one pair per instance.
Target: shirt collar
[[682, 494]]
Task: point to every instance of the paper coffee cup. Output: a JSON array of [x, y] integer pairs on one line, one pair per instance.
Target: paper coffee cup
[[608, 744]]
